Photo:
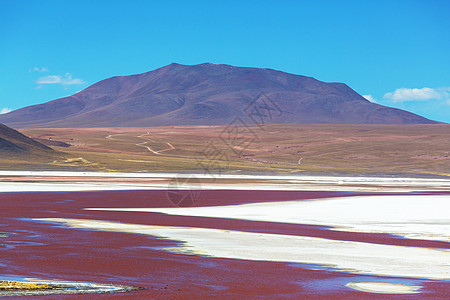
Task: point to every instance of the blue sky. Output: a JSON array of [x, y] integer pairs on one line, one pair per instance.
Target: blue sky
[[397, 52]]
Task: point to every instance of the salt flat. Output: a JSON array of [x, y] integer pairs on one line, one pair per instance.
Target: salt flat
[[29, 181], [384, 287], [412, 216], [409, 216], [353, 257]]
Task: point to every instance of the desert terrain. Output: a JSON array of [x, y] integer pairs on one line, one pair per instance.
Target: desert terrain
[[285, 149], [342, 211]]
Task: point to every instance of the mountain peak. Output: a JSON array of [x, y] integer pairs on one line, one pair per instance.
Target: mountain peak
[[208, 94]]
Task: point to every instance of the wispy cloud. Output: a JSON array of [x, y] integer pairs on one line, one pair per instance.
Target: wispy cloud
[[5, 110], [60, 79], [40, 70], [370, 98], [416, 94]]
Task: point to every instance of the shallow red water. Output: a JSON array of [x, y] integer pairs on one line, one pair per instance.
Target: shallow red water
[[48, 251]]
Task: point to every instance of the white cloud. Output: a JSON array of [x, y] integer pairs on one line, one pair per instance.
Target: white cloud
[[59, 79], [5, 110], [51, 79], [415, 94], [37, 69], [370, 98]]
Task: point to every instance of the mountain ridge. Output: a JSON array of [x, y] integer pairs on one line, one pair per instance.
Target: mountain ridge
[[207, 94], [14, 143]]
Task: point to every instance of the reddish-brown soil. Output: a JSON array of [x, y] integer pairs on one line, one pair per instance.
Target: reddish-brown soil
[[349, 149], [48, 251]]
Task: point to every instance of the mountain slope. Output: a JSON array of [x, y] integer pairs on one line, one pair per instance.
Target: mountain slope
[[208, 94], [13, 144]]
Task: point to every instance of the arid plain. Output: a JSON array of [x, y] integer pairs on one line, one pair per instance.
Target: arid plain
[[339, 149], [336, 211]]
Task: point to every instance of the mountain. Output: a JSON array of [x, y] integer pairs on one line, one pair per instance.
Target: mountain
[[14, 144], [209, 94]]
